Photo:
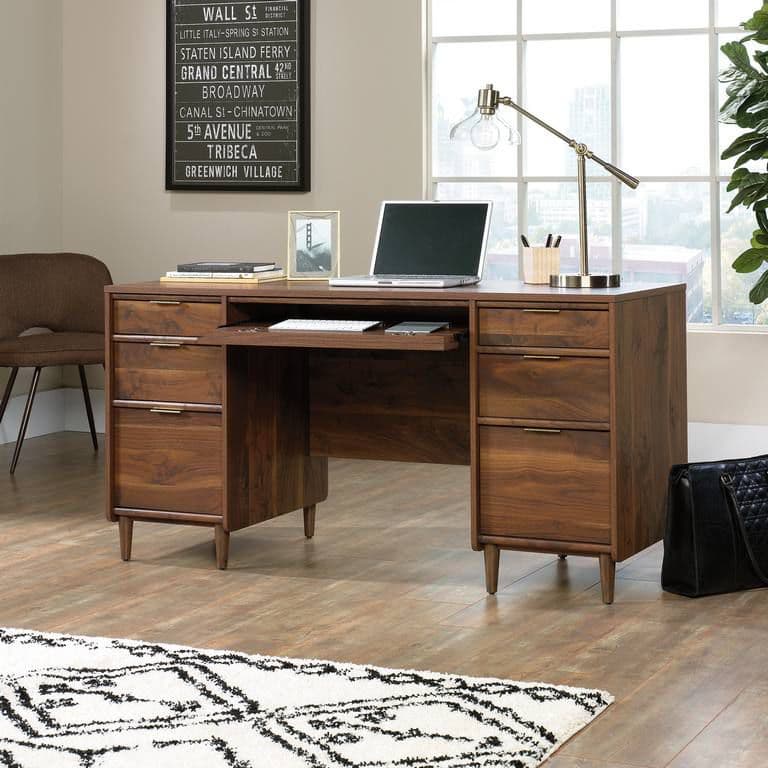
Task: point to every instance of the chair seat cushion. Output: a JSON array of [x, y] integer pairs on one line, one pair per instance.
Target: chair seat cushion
[[43, 349]]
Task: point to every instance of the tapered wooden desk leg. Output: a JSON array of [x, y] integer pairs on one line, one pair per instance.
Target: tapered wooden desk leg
[[222, 548], [491, 554], [126, 537], [309, 521], [607, 577]]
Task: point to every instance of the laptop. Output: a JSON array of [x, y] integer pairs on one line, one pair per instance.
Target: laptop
[[424, 244]]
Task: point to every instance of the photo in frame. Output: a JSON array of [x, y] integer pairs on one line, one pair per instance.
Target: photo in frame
[[314, 245]]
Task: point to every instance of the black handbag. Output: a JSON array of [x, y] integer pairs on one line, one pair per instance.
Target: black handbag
[[716, 538]]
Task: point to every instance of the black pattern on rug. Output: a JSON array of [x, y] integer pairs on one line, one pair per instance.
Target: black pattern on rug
[[81, 702]]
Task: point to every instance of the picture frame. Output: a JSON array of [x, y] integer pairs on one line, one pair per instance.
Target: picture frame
[[238, 120], [314, 245]]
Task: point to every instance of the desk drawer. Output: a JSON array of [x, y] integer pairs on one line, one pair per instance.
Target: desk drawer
[[536, 327], [163, 317], [162, 372], [168, 462], [540, 387], [545, 485]]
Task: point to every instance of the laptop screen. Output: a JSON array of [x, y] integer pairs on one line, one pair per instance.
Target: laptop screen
[[431, 238]]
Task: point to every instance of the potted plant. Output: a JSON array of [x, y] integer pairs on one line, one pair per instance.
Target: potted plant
[[747, 106]]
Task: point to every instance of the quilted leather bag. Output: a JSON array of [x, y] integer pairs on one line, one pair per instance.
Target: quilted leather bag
[[716, 538]]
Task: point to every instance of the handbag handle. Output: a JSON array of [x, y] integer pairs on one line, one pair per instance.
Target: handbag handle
[[726, 480]]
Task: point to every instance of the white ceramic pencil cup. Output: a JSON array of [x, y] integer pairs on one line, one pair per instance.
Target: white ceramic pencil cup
[[539, 263]]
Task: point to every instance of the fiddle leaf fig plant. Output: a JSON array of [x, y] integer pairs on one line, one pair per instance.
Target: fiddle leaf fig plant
[[747, 106]]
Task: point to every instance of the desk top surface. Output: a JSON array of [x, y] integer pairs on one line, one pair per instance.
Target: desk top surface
[[321, 291]]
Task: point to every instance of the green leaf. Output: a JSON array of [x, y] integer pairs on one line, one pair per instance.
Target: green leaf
[[750, 260], [762, 220], [759, 21], [748, 195], [741, 143], [760, 292], [739, 56], [761, 57], [743, 178], [758, 151], [759, 238]]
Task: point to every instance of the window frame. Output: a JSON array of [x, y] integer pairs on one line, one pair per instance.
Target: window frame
[[522, 180]]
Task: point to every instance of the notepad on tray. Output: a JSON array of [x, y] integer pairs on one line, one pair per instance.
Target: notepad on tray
[[418, 326]]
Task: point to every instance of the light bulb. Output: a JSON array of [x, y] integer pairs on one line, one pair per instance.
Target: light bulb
[[485, 133], [460, 131]]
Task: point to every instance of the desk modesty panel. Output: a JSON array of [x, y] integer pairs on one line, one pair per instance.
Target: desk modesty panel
[[569, 407]]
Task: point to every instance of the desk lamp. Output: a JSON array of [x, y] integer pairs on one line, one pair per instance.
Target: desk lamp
[[485, 133]]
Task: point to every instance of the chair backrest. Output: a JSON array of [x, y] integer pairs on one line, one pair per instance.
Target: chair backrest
[[60, 291]]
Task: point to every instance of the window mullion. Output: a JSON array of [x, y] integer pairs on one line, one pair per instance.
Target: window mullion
[[522, 187], [616, 207], [714, 171]]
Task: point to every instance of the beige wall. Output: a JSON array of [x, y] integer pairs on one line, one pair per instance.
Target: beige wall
[[727, 376], [366, 125], [30, 135]]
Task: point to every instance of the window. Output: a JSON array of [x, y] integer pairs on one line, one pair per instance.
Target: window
[[638, 83]]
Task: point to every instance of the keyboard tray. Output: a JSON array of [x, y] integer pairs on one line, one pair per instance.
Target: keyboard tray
[[259, 335]]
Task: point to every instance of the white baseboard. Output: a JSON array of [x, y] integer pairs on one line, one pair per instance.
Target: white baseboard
[[62, 410], [58, 410]]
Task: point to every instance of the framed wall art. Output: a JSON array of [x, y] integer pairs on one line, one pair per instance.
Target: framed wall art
[[237, 85], [314, 245]]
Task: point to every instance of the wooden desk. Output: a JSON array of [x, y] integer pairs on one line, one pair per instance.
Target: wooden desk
[[570, 407]]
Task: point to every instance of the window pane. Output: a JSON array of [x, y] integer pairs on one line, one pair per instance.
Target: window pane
[[554, 208], [459, 71], [665, 129], [666, 238], [481, 17], [566, 16], [733, 13], [501, 259], [575, 99], [662, 14], [736, 230]]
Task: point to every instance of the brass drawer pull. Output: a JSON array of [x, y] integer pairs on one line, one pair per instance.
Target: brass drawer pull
[[541, 357], [541, 430], [167, 411], [166, 344], [544, 311], [165, 303]]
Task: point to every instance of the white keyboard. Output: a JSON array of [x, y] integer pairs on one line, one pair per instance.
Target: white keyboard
[[329, 326]]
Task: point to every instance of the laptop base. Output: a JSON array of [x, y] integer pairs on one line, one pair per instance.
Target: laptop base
[[372, 281]]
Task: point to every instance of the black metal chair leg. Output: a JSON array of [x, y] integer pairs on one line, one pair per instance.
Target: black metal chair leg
[[8, 390], [88, 409], [25, 418]]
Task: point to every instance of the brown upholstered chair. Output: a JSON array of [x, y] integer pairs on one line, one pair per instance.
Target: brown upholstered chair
[[63, 292]]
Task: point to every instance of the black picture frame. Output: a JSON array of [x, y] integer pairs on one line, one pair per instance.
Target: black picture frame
[[303, 122]]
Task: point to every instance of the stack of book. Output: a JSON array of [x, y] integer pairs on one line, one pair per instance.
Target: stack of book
[[225, 272]]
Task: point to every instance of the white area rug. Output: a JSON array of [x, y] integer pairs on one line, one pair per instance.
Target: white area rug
[[69, 702]]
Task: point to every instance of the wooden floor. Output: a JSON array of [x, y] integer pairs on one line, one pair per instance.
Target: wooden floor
[[390, 580]]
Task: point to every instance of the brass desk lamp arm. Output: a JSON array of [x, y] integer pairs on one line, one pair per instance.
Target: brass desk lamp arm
[[579, 148]]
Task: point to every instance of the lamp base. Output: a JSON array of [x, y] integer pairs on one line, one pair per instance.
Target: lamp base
[[584, 281]]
